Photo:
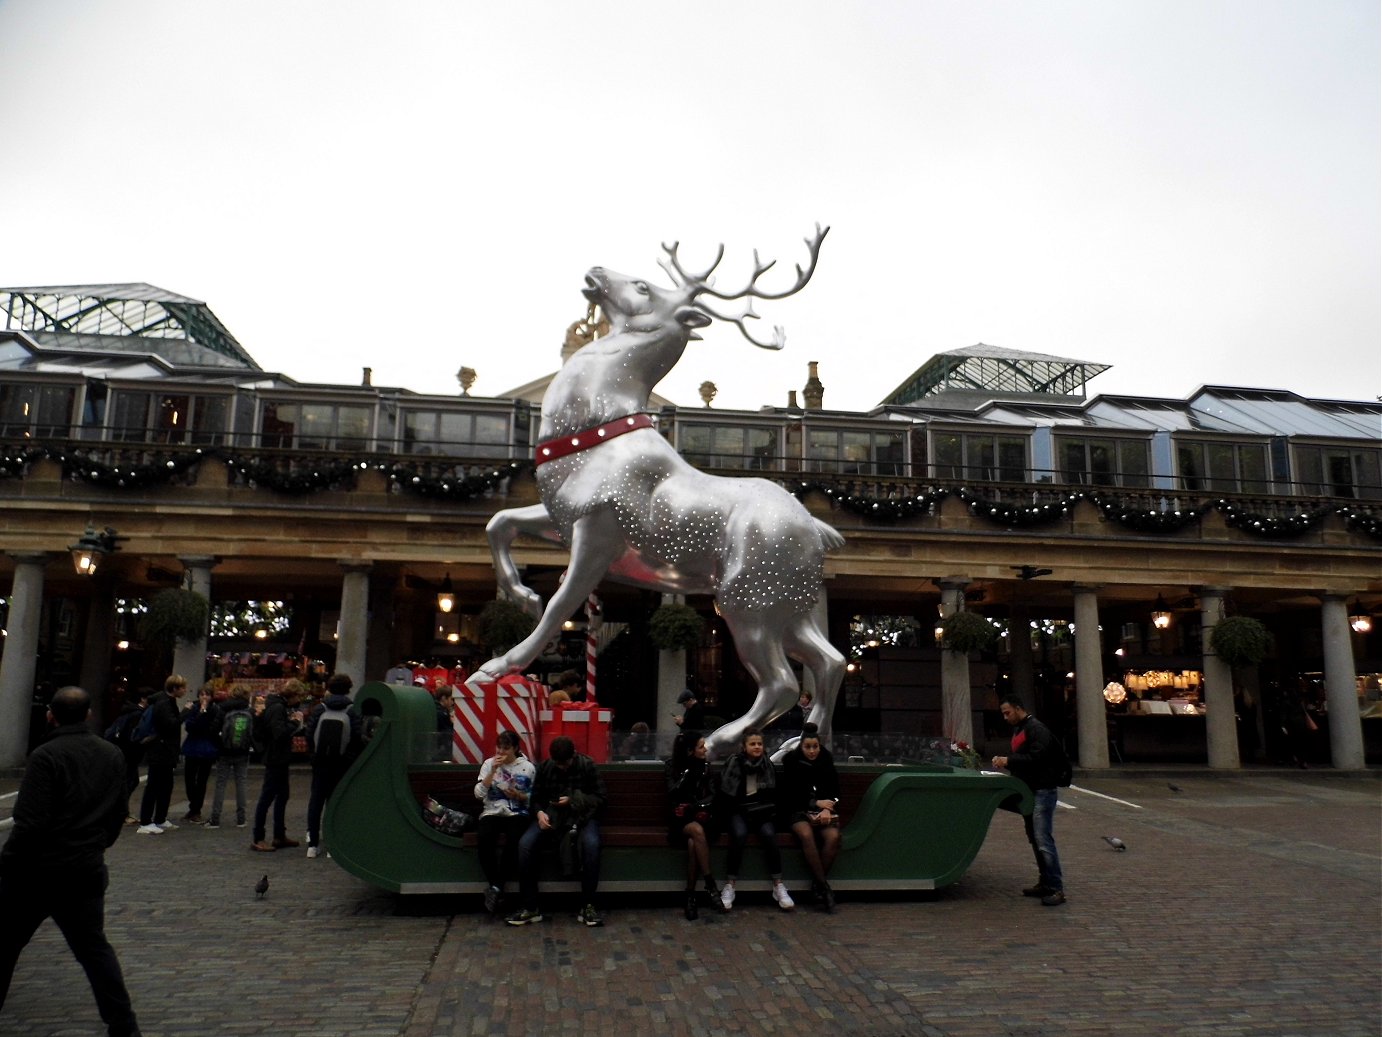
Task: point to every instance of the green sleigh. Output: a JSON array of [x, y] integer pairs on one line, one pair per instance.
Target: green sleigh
[[912, 826]]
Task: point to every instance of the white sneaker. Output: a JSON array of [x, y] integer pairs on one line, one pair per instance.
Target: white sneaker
[[148, 830], [313, 852], [783, 898], [727, 895], [167, 825]]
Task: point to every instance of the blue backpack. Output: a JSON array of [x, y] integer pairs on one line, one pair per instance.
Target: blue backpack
[[144, 731]]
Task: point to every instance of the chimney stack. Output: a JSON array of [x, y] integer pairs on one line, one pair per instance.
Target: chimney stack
[[368, 374], [792, 400], [813, 392]]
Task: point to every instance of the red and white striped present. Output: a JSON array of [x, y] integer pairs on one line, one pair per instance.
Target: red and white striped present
[[484, 709]]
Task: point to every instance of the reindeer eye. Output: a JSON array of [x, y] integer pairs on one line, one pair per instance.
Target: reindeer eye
[[640, 287]]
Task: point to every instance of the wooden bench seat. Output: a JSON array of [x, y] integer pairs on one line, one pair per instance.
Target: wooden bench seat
[[635, 813]]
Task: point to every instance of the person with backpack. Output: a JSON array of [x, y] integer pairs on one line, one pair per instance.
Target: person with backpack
[[332, 730], [274, 727], [203, 725], [121, 735], [1038, 759], [160, 731], [235, 740]]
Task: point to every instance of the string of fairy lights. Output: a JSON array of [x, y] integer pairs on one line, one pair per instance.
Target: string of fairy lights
[[298, 475]]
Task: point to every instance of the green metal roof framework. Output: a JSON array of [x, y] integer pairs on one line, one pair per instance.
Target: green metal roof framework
[[982, 368], [121, 312]]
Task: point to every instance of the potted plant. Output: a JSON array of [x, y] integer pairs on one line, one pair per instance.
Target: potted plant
[[967, 632], [1240, 640], [502, 624], [175, 614], [675, 628]]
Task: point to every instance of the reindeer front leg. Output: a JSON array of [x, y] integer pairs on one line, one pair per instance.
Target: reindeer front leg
[[596, 543], [501, 530]]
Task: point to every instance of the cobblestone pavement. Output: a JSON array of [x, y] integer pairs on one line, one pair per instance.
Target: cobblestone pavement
[[1246, 904]]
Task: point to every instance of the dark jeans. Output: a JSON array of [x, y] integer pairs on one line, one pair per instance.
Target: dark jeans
[[158, 792], [275, 791], [325, 778], [530, 858], [78, 908], [762, 826], [493, 827], [195, 772], [1043, 839]]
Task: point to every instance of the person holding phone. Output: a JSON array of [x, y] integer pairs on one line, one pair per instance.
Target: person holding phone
[[504, 787]]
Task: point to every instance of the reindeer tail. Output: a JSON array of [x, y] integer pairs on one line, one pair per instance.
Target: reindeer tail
[[831, 539]]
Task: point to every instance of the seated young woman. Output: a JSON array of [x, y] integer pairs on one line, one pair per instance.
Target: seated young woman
[[810, 796], [690, 822], [748, 790]]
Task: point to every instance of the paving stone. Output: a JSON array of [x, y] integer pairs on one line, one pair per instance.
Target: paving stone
[[1245, 906]]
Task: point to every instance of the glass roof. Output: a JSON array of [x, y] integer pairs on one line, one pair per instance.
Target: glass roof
[[996, 369], [123, 318]]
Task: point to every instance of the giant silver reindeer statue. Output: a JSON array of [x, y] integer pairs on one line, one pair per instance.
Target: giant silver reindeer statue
[[629, 507]]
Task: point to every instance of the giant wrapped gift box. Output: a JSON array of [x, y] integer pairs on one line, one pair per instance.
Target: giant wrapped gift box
[[587, 724], [484, 708]]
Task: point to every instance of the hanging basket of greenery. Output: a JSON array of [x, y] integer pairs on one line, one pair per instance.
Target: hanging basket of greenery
[[503, 624], [675, 628], [1240, 640], [175, 614], [967, 632]]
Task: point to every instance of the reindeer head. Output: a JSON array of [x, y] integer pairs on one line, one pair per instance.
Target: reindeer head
[[641, 307]]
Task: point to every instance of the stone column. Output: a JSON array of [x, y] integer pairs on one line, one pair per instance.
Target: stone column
[[1021, 671], [1221, 729], [97, 643], [957, 702], [189, 657], [1340, 686], [1090, 711], [20, 662], [354, 629]]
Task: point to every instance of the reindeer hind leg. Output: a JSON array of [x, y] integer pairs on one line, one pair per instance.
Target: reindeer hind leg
[[759, 645]]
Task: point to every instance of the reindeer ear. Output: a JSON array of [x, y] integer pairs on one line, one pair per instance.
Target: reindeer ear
[[690, 317]]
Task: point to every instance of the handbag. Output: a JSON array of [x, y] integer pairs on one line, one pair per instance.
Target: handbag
[[698, 811]]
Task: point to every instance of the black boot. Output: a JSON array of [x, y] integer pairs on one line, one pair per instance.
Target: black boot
[[827, 897], [714, 891], [693, 907]]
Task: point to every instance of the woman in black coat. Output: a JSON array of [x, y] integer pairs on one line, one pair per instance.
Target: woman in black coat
[[810, 795], [690, 823]]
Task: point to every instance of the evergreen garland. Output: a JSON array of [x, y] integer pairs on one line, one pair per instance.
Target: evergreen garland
[[302, 474]]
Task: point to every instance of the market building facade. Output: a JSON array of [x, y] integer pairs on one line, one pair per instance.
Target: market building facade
[[1104, 536]]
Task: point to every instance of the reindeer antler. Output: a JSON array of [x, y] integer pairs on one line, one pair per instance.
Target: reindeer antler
[[751, 291], [682, 277], [779, 334]]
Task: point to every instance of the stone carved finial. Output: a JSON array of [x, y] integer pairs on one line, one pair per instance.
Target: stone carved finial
[[584, 331], [466, 376], [708, 391]]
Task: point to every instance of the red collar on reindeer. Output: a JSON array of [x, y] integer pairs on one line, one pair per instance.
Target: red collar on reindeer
[[587, 438]]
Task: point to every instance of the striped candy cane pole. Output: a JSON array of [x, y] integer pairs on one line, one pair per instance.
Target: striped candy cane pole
[[592, 623]]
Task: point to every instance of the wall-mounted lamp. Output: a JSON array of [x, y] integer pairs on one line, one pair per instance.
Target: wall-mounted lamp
[[1161, 615], [1359, 619], [446, 597], [91, 548]]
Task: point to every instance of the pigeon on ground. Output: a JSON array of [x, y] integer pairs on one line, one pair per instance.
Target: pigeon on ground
[[1173, 786], [261, 887], [1115, 842]]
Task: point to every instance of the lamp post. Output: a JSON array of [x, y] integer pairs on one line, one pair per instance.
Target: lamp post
[[91, 548], [446, 597]]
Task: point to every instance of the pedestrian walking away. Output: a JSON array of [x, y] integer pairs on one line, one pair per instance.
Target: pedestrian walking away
[[70, 808]]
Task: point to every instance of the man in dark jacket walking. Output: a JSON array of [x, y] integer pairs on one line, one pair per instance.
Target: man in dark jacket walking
[[1038, 759], [71, 806], [274, 727], [332, 731], [162, 755]]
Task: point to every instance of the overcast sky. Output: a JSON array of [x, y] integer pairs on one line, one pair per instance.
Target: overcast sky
[[1188, 191]]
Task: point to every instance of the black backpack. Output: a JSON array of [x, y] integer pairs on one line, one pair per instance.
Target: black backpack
[[237, 731], [332, 736]]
